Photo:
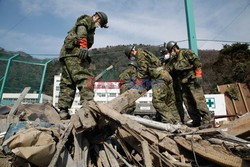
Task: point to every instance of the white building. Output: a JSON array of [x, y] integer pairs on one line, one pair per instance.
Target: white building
[[11, 98]]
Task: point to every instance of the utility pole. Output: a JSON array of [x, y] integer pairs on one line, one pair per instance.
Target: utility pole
[[192, 41]]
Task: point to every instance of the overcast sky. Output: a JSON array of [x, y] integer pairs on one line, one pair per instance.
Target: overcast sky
[[40, 26]]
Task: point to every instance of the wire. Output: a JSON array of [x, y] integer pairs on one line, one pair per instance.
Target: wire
[[19, 22], [184, 40], [219, 40], [230, 23], [215, 40]]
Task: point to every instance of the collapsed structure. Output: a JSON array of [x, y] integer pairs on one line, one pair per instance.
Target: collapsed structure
[[100, 135]]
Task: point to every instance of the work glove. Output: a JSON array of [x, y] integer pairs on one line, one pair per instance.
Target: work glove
[[198, 81], [83, 53], [198, 77]]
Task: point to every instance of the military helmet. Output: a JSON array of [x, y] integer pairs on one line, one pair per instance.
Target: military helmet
[[133, 63], [128, 50], [104, 19], [163, 50], [170, 45]]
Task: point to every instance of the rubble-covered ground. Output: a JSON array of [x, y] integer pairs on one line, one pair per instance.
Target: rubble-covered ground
[[99, 135]]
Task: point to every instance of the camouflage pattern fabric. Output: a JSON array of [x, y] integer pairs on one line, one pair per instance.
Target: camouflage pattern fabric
[[196, 103], [75, 73], [84, 27], [127, 79], [182, 67], [163, 99], [147, 62], [179, 99], [149, 66]]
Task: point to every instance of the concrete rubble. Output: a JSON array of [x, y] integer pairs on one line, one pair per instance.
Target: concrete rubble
[[99, 135]]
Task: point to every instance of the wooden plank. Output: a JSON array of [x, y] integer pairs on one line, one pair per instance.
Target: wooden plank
[[146, 154], [104, 158], [159, 159], [235, 106], [81, 148], [239, 126], [239, 104], [126, 99], [245, 93], [10, 118], [146, 133], [123, 145], [19, 100], [112, 159], [118, 104], [86, 118], [218, 155], [229, 103], [110, 147], [76, 121], [176, 162], [114, 115]]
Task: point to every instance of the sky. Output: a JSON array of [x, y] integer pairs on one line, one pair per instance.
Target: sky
[[40, 26]]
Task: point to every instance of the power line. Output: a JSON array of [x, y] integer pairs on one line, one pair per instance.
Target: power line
[[20, 21], [229, 24], [214, 40], [219, 40]]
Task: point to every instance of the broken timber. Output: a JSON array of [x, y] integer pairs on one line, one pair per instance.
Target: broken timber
[[143, 142]]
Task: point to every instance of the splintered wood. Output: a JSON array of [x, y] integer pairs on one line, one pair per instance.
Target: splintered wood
[[105, 137], [98, 135]]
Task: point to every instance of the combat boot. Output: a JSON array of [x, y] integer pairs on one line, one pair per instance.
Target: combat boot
[[193, 123], [64, 114]]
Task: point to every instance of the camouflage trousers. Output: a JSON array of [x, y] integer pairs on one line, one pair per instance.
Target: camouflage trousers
[[164, 99], [195, 102], [75, 74], [179, 101], [123, 88]]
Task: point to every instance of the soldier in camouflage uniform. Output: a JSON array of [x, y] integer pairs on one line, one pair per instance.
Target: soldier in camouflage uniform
[[127, 81], [150, 68], [76, 63], [187, 68], [165, 59]]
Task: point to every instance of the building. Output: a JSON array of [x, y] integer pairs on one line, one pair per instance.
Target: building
[[11, 98]]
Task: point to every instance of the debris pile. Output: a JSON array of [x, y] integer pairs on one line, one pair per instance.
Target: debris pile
[[99, 135]]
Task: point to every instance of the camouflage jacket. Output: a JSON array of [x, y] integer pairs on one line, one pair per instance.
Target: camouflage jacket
[[183, 65], [84, 27], [127, 78], [148, 64]]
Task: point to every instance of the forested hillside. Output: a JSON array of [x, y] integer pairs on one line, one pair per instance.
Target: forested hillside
[[231, 64]]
